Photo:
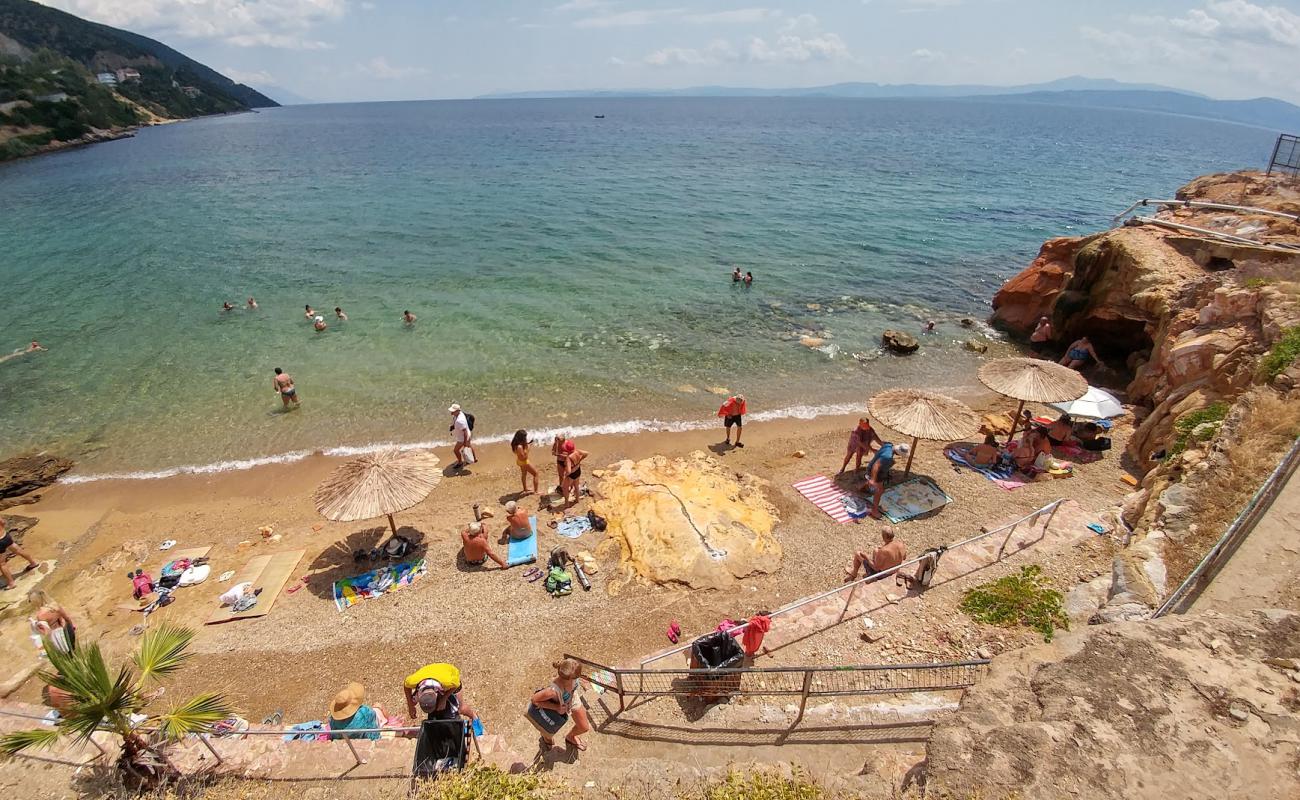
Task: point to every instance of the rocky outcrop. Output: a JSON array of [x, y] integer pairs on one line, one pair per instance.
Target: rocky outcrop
[[1033, 293], [899, 343], [26, 473], [687, 521], [1198, 706]]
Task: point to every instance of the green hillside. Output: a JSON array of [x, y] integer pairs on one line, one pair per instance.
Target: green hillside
[[47, 98], [99, 47]]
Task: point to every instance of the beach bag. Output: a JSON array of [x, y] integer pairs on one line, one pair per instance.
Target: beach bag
[[195, 575], [397, 547], [559, 582], [598, 523], [546, 719]]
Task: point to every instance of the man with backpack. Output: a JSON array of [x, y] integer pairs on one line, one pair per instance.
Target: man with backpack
[[462, 430]]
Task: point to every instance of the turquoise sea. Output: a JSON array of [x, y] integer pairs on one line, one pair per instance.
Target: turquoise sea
[[568, 272]]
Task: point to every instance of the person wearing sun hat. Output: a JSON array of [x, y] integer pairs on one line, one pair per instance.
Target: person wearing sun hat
[[860, 443], [349, 711]]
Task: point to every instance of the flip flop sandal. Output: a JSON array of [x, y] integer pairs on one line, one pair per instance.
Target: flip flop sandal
[[274, 719], [167, 545], [301, 583], [536, 577], [225, 576]]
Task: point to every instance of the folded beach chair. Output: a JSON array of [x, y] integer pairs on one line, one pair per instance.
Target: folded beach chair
[[523, 551], [443, 746]]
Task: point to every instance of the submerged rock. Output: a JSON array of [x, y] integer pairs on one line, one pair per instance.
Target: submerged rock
[[899, 343], [688, 521], [26, 473], [976, 346]]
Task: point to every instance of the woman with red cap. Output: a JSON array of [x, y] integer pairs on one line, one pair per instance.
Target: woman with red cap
[[571, 483], [860, 443]]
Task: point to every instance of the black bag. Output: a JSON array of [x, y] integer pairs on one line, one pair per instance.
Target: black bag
[[546, 719], [598, 522], [470, 419]]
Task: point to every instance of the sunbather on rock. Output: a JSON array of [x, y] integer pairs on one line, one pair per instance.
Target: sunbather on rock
[[476, 548]]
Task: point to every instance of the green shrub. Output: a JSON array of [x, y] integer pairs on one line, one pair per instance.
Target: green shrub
[[1195, 427], [1023, 599], [482, 781], [760, 785], [1259, 283], [1282, 356]]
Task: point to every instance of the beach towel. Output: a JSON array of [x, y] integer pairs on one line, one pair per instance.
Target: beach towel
[[822, 492], [1073, 452], [1004, 475], [570, 527], [350, 591], [523, 551], [912, 498]]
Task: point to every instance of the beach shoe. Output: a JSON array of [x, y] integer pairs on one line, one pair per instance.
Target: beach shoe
[[274, 719], [458, 465], [738, 444], [533, 575], [167, 545], [674, 631], [225, 576]]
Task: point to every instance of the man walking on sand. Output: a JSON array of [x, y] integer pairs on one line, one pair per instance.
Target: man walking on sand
[[461, 433], [733, 412], [887, 556], [284, 387]]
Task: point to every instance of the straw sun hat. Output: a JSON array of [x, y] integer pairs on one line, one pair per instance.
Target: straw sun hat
[[347, 701]]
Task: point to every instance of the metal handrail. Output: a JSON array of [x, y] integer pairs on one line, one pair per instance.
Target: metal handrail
[[1200, 204], [1049, 509], [1240, 528]]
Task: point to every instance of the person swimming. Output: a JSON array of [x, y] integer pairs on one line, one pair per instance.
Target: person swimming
[[252, 304], [227, 306], [338, 312], [309, 313], [319, 324], [735, 275], [749, 279], [408, 318]]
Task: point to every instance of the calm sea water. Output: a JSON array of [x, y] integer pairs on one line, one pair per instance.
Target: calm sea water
[[568, 272]]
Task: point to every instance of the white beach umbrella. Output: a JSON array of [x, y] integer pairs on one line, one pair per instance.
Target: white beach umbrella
[[1095, 404]]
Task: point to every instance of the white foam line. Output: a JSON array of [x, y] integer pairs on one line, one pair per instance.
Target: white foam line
[[544, 436]]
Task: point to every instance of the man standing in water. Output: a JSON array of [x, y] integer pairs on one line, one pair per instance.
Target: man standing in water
[[462, 434], [284, 387], [408, 317]]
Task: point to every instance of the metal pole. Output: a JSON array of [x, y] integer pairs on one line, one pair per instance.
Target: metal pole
[[1277, 147], [618, 682], [203, 737], [803, 696], [355, 754]]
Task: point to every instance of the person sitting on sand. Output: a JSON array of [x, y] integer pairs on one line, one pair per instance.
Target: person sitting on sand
[[8, 547], [987, 454], [283, 384], [252, 304], [408, 318], [227, 306], [476, 548], [888, 555], [53, 623], [519, 444], [735, 275], [1077, 354], [518, 525], [861, 442], [1090, 438], [310, 312], [553, 706], [572, 485], [878, 473], [1041, 339], [435, 690], [319, 324], [338, 313], [349, 711], [733, 412], [1061, 431], [1033, 445]]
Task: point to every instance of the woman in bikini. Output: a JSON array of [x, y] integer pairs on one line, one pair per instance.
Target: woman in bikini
[[1061, 431], [519, 444], [558, 703], [51, 619], [1076, 357], [572, 482], [557, 450]]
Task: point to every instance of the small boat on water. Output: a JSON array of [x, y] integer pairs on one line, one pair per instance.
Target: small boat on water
[[600, 116]]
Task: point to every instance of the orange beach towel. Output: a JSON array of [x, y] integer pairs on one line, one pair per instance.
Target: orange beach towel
[[732, 407]]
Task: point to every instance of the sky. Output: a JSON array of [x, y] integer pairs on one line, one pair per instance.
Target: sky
[[355, 50]]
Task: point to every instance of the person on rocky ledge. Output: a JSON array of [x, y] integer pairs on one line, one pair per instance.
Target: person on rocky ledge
[[8, 547], [1078, 353]]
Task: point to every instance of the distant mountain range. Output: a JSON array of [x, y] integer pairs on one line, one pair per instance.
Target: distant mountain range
[[1072, 91]]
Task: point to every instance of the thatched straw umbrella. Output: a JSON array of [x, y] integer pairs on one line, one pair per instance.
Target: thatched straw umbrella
[[923, 415], [1032, 379], [378, 485]]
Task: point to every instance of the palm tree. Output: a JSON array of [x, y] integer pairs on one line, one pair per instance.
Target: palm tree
[[99, 700]]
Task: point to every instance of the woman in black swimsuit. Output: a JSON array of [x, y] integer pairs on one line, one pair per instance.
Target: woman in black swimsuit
[[572, 471], [9, 547]]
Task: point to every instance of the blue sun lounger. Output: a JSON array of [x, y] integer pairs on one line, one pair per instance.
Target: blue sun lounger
[[523, 551]]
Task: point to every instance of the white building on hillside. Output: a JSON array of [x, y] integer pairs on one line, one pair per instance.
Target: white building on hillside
[[127, 74], [107, 78]]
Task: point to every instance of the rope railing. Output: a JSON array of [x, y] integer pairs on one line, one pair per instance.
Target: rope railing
[[1031, 518]]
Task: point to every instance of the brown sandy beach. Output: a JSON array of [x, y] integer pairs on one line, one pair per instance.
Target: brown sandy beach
[[501, 630]]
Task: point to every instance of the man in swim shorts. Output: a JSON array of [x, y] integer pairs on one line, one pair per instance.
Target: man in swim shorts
[[8, 547], [477, 549], [890, 554], [462, 434], [733, 412], [284, 387]]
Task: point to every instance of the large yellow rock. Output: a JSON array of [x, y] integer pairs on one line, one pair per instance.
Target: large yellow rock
[[688, 521]]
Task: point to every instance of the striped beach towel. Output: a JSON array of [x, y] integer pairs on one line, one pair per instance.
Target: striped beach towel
[[822, 492]]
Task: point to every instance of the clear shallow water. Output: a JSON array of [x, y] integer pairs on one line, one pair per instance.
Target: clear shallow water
[[567, 272]]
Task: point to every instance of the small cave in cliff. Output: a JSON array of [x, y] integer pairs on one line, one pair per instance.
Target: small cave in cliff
[[1117, 339]]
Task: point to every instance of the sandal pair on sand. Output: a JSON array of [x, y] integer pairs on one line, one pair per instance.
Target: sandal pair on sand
[[533, 574]]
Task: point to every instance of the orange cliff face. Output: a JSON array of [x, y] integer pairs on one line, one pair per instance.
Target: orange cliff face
[[1033, 292]]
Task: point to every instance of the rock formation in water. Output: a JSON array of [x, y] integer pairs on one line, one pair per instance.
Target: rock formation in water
[[1201, 706], [688, 521]]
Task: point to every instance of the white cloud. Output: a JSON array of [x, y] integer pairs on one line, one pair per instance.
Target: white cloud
[[627, 19], [366, 5], [717, 51], [789, 48], [581, 5], [615, 61], [801, 22], [738, 16], [283, 24], [1242, 20], [380, 69], [928, 55], [258, 77]]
